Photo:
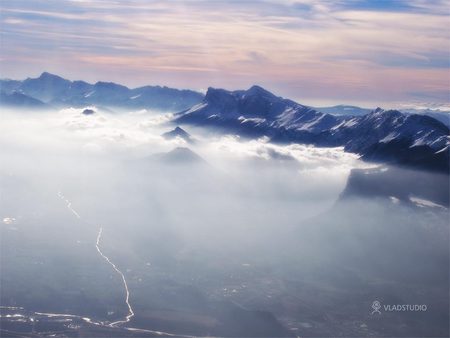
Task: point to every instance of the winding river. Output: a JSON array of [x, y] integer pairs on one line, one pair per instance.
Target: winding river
[[131, 313], [108, 260]]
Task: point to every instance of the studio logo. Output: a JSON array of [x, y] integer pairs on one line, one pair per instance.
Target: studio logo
[[376, 306]]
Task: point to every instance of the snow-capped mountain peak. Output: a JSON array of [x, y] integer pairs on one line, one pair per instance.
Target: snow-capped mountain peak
[[256, 106], [381, 135]]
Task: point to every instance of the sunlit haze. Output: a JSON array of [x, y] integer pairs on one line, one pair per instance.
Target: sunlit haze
[[371, 53]]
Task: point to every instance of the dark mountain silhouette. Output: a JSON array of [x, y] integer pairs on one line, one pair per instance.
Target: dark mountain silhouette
[[178, 132]]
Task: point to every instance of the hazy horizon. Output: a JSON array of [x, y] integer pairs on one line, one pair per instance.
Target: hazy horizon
[[412, 104], [315, 52]]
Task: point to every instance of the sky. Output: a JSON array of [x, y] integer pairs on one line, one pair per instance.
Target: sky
[[367, 52]]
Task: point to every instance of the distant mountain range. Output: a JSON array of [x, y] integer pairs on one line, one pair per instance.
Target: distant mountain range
[[381, 135], [50, 90], [388, 136], [344, 110], [442, 116]]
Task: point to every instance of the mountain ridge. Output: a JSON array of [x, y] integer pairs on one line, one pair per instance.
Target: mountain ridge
[[53, 90], [379, 136]]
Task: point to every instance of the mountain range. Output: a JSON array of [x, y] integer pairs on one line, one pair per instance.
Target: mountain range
[[382, 135], [345, 110], [49, 90], [388, 136]]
